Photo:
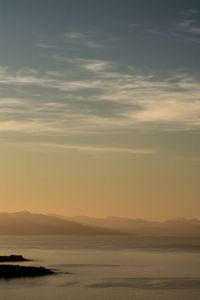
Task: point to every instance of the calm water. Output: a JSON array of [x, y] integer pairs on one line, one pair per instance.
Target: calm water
[[106, 268]]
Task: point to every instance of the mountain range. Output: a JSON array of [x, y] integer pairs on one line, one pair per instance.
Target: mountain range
[[141, 227], [26, 223]]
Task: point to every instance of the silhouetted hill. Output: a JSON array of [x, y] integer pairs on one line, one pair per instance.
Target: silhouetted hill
[[14, 271], [140, 227], [25, 223]]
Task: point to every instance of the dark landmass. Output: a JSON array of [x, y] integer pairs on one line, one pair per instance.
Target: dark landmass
[[12, 258], [15, 271], [26, 223]]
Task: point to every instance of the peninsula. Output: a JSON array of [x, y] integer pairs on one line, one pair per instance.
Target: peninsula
[[16, 271]]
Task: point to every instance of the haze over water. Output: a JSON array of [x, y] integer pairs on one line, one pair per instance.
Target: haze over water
[[106, 267]]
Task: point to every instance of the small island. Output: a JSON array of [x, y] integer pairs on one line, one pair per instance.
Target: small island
[[16, 271], [12, 258]]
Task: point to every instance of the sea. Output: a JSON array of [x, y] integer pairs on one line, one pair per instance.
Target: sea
[[105, 268]]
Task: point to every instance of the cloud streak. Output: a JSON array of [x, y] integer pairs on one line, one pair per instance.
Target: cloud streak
[[90, 96], [88, 149]]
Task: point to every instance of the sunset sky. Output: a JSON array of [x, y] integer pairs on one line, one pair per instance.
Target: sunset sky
[[100, 107]]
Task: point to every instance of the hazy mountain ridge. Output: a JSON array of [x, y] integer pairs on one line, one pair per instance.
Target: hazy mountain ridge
[[141, 227], [26, 223]]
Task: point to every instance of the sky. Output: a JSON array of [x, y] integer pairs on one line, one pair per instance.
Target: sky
[[100, 107]]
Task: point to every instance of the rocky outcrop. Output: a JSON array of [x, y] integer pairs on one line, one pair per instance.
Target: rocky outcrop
[[12, 258], [16, 271]]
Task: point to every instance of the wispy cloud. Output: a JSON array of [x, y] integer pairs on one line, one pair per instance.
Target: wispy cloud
[[186, 27], [5, 102], [84, 39], [98, 150], [22, 77], [94, 96], [189, 25], [189, 12], [24, 126], [47, 46], [102, 150]]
